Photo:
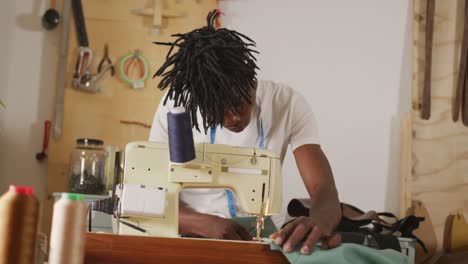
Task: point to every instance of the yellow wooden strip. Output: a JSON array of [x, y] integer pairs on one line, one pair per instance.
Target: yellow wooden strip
[[406, 134]]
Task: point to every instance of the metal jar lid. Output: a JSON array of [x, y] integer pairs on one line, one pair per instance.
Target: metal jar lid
[[89, 141]]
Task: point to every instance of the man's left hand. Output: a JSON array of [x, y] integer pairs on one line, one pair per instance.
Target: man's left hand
[[301, 229]]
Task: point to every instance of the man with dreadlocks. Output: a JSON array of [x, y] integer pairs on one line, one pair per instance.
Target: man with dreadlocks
[[213, 75]]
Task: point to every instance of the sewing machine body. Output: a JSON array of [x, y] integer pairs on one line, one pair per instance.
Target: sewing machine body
[[254, 175]]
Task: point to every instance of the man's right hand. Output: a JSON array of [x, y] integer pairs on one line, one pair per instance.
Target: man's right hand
[[222, 228], [209, 226]]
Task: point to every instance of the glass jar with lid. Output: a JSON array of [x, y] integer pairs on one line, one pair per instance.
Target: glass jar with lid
[[87, 167]]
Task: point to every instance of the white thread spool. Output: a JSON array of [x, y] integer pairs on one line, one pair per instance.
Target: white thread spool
[[67, 237]]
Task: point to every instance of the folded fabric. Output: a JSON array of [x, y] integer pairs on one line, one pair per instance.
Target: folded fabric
[[344, 254]]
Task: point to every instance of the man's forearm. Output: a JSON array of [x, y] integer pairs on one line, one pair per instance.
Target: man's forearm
[[189, 219], [316, 173], [325, 209]]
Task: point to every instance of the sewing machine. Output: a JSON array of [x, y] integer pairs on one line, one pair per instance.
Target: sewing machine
[[151, 184]]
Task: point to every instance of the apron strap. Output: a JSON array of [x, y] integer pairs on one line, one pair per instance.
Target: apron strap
[[229, 194]]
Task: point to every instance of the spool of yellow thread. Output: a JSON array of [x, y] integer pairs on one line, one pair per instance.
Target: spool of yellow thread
[[19, 216]]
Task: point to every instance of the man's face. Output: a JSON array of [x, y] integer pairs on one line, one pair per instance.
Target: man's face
[[237, 122]]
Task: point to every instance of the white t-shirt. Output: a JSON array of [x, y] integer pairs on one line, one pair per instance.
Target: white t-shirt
[[287, 120]]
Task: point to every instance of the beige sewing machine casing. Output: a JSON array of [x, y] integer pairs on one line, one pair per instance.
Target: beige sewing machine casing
[[254, 175]]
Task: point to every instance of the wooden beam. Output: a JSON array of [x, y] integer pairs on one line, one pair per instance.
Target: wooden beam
[[103, 248]]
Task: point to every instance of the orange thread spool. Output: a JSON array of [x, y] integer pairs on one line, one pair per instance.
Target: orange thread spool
[[19, 216]]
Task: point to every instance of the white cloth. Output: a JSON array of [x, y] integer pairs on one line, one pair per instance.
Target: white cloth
[[287, 120]]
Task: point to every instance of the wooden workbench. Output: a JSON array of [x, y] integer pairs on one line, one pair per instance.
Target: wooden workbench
[[103, 248]]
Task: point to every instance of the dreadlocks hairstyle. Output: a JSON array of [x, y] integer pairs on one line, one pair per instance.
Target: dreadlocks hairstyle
[[213, 71]]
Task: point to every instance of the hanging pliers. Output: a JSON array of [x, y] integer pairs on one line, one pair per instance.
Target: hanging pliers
[[106, 58]]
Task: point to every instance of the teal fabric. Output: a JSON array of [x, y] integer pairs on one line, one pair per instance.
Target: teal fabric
[[344, 254], [250, 224]]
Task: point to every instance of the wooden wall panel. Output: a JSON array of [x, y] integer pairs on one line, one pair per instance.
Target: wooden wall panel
[[99, 115], [439, 152], [406, 145]]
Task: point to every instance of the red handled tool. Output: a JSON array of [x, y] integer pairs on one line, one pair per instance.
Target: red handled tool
[[42, 155]]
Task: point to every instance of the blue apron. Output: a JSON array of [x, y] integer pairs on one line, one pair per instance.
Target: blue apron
[[229, 194]]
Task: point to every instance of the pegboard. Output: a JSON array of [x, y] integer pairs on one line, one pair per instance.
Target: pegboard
[[100, 115]]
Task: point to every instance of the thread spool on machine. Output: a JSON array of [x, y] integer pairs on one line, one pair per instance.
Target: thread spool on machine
[[181, 144]]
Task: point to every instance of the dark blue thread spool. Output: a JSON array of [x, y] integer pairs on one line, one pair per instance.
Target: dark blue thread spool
[[181, 146]]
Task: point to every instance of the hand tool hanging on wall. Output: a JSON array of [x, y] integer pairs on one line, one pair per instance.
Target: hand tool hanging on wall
[[62, 69], [125, 68], [45, 143], [426, 96], [106, 59], [83, 65], [459, 93], [51, 17], [90, 83]]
